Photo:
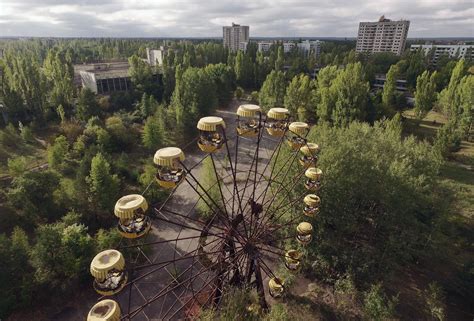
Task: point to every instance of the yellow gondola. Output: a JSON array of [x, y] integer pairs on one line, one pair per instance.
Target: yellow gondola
[[249, 122], [309, 157], [312, 203], [210, 136], [130, 209], [277, 121], [297, 133], [313, 182], [276, 287], [105, 310], [108, 270], [304, 233], [170, 172], [293, 260]]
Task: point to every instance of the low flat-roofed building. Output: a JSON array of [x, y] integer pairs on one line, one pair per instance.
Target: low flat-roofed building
[[379, 82], [264, 45], [452, 51], [105, 78]]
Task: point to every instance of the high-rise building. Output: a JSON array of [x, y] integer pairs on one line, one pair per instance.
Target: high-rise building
[[235, 35], [384, 35]]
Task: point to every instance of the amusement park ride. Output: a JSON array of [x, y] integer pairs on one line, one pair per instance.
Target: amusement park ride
[[251, 227]]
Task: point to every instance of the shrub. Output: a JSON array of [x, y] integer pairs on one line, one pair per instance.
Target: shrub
[[377, 306], [434, 300], [239, 92]]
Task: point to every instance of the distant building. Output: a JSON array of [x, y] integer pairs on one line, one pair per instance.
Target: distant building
[[288, 46], [310, 47], [452, 51], [264, 46], [379, 82], [234, 35], [384, 35], [243, 46], [105, 78], [155, 56], [305, 46]]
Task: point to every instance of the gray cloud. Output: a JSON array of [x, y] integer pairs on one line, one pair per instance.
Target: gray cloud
[[192, 18]]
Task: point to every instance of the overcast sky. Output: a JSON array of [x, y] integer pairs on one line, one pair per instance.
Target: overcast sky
[[201, 18]]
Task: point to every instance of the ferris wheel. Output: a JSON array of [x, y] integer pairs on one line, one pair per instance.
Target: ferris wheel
[[171, 262]]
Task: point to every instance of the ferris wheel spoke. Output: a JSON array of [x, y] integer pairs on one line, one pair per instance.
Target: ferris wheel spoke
[[201, 188], [267, 269], [276, 150], [187, 217], [213, 279], [280, 208], [275, 195], [165, 290]]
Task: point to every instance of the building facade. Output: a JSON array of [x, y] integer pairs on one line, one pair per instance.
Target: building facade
[[106, 78], [306, 46], [155, 56], [452, 51], [234, 35], [384, 35]]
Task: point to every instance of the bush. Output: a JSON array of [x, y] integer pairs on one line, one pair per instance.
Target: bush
[[254, 97], [434, 300], [17, 166], [368, 171], [239, 92], [377, 306]]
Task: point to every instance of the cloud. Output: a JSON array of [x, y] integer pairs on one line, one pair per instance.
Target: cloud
[[193, 18]]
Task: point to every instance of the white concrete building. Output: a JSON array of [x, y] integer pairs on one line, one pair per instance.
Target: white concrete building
[[155, 56], [288, 46], [243, 46], [234, 35], [384, 35], [264, 45], [452, 51], [310, 47]]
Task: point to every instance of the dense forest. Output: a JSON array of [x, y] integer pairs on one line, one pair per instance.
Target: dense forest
[[67, 154]]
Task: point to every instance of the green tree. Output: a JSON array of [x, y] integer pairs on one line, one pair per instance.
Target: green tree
[[153, 132], [262, 69], [140, 74], [386, 233], [33, 195], [244, 70], [23, 78], [323, 96], [298, 98], [194, 97], [17, 166], [16, 285], [87, 105], [447, 97], [351, 95], [119, 133], [223, 79], [103, 185], [280, 60], [389, 94], [57, 152], [425, 94], [61, 255], [59, 73], [272, 93]]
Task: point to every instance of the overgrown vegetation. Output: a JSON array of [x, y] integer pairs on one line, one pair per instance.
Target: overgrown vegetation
[[389, 200]]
